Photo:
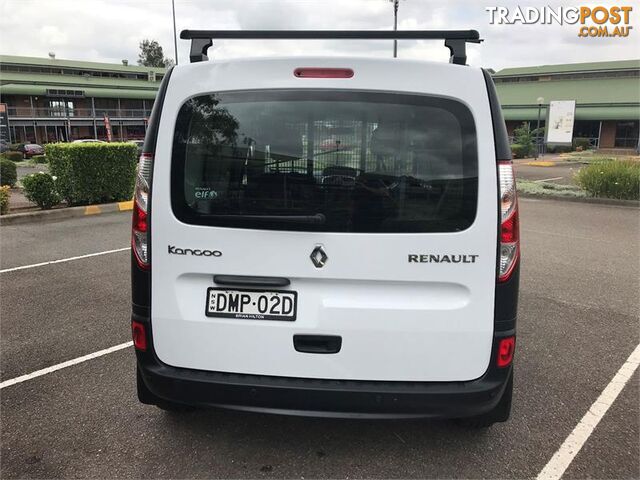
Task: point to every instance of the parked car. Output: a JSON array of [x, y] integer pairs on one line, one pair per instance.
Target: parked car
[[31, 149], [389, 290], [88, 140]]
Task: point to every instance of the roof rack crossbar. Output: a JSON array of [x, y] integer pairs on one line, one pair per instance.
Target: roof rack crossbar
[[455, 40]]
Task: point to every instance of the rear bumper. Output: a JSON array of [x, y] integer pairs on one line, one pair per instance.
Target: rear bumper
[[325, 398]]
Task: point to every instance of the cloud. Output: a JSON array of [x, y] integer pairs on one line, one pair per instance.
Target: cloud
[[110, 30]]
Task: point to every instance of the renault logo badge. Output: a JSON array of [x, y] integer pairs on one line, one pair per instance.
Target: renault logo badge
[[318, 256]]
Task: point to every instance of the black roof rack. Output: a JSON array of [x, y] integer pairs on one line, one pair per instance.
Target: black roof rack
[[454, 40]]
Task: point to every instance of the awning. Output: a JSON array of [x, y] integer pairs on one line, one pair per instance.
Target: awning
[[23, 89], [630, 112]]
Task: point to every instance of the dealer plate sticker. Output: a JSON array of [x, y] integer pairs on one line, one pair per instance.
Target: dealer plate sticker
[[251, 304]]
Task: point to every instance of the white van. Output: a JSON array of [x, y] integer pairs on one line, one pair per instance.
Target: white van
[[327, 236]]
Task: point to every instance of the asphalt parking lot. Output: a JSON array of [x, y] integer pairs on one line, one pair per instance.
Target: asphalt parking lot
[[578, 324], [562, 172]]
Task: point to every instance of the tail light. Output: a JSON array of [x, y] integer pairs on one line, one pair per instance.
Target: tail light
[[139, 336], [140, 224], [509, 229], [506, 349]]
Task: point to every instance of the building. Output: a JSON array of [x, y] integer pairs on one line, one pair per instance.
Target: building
[[607, 96], [61, 100], [51, 100]]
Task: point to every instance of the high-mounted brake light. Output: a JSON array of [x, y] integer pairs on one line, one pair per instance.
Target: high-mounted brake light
[[139, 227], [314, 72], [509, 228]]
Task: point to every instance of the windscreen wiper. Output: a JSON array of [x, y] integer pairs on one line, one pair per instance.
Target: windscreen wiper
[[317, 219]]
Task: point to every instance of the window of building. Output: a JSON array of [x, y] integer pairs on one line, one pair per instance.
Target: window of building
[[627, 134], [61, 108]]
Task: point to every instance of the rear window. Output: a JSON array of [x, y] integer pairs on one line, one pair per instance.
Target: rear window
[[328, 161]]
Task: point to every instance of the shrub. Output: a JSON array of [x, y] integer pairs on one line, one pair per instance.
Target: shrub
[[612, 179], [93, 172], [581, 144], [519, 151], [5, 194], [40, 188], [13, 156], [558, 148], [544, 188], [39, 159], [8, 172]]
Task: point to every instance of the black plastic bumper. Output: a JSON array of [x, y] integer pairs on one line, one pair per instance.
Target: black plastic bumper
[[331, 398]]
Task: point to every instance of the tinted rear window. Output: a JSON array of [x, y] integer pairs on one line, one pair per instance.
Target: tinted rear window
[[330, 161]]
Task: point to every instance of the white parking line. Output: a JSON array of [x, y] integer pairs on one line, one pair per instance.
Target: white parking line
[[63, 260], [547, 179], [68, 363], [577, 438]]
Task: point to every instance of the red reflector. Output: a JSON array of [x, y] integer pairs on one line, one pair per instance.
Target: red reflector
[[138, 332], [313, 72], [139, 218], [506, 348]]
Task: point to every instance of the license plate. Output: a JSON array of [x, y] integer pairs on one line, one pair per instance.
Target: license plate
[[251, 304]]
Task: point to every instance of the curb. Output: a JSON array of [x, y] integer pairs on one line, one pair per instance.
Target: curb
[[541, 164], [64, 213], [594, 200]]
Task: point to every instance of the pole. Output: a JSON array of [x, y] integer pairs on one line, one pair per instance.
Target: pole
[[175, 38], [395, 27], [538, 132]]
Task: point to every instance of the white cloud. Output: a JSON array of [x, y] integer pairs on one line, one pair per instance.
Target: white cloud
[[110, 30]]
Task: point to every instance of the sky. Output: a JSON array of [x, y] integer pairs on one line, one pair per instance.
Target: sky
[[111, 30]]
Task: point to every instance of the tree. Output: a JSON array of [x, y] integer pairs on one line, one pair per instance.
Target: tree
[[151, 55]]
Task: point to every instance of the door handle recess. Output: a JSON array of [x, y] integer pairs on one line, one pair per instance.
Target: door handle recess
[[317, 343]]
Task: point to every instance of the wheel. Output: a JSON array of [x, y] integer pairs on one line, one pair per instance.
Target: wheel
[[499, 414], [148, 398]]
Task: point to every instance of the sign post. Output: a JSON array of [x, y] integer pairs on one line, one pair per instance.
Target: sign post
[[560, 122]]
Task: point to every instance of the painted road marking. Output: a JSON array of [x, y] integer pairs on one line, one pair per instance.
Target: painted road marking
[[577, 438], [540, 163], [548, 179], [92, 210], [68, 363], [124, 206], [63, 260]]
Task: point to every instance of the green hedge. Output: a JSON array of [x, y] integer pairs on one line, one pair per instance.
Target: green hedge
[[13, 156], [5, 194], [8, 172], [611, 179], [93, 172], [39, 159]]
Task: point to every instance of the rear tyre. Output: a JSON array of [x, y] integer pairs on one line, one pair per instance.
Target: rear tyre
[[499, 414]]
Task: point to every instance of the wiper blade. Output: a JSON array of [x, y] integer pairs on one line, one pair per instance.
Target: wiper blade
[[317, 219]]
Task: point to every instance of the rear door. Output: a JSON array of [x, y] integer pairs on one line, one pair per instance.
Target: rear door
[[369, 203]]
